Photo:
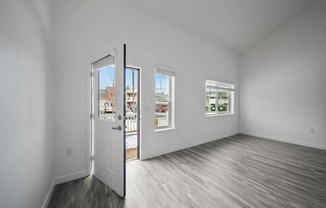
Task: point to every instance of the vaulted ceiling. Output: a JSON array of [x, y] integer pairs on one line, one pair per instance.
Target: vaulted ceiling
[[235, 24]]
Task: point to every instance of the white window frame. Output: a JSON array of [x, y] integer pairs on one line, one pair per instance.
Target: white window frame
[[220, 86], [171, 111]]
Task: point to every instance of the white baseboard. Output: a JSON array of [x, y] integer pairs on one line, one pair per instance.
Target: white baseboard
[[306, 144], [48, 196], [72, 176], [187, 145]]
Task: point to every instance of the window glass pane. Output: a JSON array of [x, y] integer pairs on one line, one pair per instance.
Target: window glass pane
[[210, 100], [223, 101], [106, 86], [162, 110], [163, 85], [218, 98]]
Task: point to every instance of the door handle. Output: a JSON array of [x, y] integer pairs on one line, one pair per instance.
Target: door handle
[[117, 128]]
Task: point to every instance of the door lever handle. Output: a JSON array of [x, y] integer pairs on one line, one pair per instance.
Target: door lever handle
[[117, 128]]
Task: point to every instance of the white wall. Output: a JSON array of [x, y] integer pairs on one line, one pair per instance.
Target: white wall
[[87, 28], [26, 142], [282, 82]]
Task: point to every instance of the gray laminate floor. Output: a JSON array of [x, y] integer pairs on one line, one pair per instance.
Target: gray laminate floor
[[239, 171]]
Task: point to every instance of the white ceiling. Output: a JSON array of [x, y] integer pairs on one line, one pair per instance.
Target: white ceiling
[[236, 24]]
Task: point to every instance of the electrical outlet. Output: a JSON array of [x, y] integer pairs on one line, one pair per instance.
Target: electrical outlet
[[312, 130], [68, 151]]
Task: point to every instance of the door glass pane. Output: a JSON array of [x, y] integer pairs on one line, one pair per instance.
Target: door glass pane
[[106, 86], [131, 100], [131, 116]]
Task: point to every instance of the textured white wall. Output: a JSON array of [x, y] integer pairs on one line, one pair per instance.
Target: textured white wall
[[86, 28], [26, 142], [282, 82]]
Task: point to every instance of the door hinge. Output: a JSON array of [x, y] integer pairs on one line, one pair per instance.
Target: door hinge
[[91, 157], [91, 74], [91, 116]]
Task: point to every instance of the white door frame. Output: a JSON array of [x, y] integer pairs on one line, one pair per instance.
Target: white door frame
[[136, 66]]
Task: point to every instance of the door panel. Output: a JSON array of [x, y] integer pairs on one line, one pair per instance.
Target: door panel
[[108, 122]]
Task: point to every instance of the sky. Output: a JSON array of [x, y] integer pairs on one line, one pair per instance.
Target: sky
[[161, 83], [129, 78], [106, 76]]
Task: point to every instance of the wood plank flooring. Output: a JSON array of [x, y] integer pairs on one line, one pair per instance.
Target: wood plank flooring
[[239, 171]]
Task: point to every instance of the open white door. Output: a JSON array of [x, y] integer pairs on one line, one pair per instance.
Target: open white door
[[108, 119]]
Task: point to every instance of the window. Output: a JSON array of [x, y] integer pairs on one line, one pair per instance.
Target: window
[[105, 73], [164, 99], [219, 98]]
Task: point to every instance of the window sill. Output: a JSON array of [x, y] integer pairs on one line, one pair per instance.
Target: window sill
[[217, 115], [164, 129]]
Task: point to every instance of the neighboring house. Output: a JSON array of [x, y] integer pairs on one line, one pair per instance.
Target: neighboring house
[[161, 97], [107, 100], [131, 99]]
